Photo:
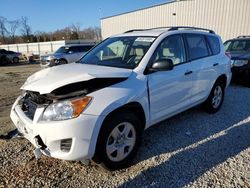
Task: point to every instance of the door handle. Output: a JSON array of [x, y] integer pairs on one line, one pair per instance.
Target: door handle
[[215, 64], [188, 72]]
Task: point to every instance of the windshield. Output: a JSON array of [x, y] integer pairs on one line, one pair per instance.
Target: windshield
[[237, 46], [62, 50], [122, 52]]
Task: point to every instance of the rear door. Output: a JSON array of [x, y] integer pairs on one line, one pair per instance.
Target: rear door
[[170, 91], [204, 65]]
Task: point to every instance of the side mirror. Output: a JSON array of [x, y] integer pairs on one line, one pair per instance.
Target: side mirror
[[162, 65], [70, 52]]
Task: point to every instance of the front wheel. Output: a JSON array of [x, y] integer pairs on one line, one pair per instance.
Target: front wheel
[[118, 141], [215, 99], [15, 60], [62, 62]]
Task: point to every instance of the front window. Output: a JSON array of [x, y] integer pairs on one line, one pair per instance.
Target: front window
[[238, 46], [122, 52]]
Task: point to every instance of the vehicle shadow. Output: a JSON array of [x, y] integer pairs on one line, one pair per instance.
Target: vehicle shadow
[[191, 145], [189, 164]]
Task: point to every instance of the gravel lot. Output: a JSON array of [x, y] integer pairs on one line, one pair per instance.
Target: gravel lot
[[192, 149]]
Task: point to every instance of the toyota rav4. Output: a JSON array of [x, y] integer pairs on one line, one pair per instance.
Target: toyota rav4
[[97, 108]]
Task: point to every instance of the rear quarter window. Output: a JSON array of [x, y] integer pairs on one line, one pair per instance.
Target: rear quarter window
[[197, 46], [214, 44]]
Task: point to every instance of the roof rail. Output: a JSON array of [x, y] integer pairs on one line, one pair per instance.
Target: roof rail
[[129, 31], [244, 36], [186, 27], [172, 28]]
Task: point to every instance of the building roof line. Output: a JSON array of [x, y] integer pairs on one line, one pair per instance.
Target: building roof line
[[171, 1]]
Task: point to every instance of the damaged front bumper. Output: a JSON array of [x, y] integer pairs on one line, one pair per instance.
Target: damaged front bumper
[[72, 139]]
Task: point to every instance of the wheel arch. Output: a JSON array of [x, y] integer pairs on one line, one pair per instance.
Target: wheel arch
[[134, 107], [223, 79]]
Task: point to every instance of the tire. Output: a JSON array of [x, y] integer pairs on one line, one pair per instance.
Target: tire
[[215, 98], [15, 60], [118, 141], [62, 62]]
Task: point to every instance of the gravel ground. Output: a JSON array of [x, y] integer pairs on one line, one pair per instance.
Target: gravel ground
[[192, 149]]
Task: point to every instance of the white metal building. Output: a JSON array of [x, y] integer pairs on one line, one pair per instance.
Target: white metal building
[[228, 18], [41, 48]]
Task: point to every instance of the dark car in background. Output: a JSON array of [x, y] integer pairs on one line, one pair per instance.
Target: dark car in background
[[65, 54], [239, 50], [11, 55]]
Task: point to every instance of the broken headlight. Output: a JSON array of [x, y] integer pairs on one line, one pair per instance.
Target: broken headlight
[[66, 109]]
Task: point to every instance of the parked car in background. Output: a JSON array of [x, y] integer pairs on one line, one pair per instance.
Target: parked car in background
[[98, 107], [65, 54], [3, 59], [11, 55], [239, 50]]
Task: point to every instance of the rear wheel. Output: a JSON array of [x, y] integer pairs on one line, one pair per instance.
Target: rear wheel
[[118, 141], [216, 97]]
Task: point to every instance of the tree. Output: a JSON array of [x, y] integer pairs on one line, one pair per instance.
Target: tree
[[13, 26], [25, 29], [3, 30], [75, 31]]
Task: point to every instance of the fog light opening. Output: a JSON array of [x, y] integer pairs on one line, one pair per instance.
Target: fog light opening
[[66, 145]]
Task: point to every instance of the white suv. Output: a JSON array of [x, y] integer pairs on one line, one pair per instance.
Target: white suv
[[96, 109]]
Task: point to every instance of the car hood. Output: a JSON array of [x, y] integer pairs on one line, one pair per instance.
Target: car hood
[[47, 80], [242, 56]]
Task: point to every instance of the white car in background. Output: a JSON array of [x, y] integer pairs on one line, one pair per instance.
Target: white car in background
[[65, 54], [96, 109]]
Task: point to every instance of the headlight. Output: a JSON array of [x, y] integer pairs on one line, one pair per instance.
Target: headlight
[[66, 109], [239, 63], [51, 57]]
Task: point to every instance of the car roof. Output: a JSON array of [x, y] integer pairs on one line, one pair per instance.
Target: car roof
[[237, 39], [75, 45], [155, 32]]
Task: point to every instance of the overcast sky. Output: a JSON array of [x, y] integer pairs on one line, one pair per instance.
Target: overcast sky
[[49, 15]]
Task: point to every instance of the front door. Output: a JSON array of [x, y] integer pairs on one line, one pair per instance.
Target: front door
[[170, 91]]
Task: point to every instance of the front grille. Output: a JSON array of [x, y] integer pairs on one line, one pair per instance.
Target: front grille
[[31, 101], [29, 108]]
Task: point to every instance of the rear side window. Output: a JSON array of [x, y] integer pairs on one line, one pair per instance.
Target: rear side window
[[214, 44], [73, 49], [85, 48], [197, 47]]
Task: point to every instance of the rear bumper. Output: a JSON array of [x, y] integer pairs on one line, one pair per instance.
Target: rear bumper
[[81, 131]]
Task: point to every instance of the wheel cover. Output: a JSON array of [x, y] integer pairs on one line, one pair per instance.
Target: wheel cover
[[217, 98], [121, 141]]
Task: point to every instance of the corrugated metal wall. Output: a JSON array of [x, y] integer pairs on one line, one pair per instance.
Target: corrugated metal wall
[[229, 18]]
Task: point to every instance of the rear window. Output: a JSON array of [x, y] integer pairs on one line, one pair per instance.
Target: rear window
[[197, 46], [214, 44]]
